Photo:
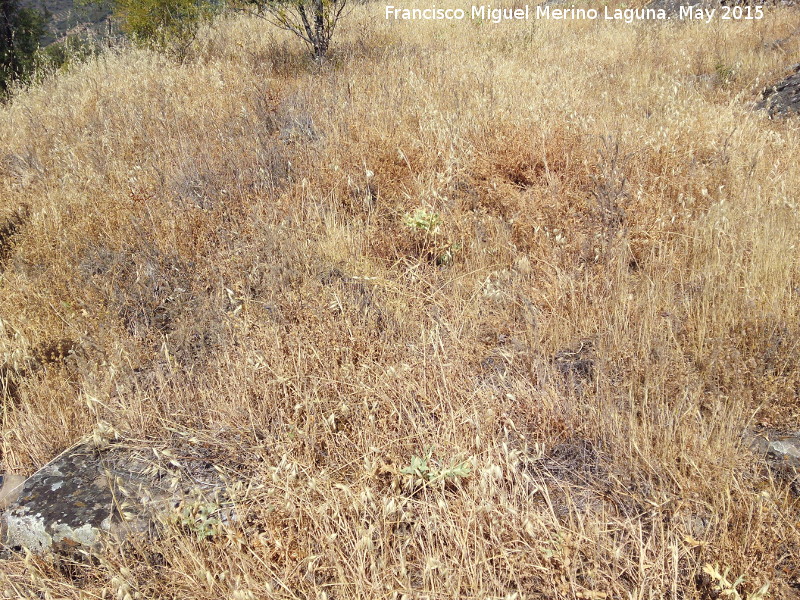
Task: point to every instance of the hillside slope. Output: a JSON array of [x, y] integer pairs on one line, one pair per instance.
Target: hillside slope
[[472, 311], [66, 17]]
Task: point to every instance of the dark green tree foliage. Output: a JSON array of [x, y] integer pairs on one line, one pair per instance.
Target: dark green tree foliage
[[164, 22], [169, 25], [20, 31]]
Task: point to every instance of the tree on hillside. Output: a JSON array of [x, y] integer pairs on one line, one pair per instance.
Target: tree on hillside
[[20, 30], [313, 21]]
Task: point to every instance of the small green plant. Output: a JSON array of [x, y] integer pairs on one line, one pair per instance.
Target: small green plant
[[447, 254], [426, 226], [454, 471], [727, 588], [200, 518], [421, 469], [424, 221], [419, 466]]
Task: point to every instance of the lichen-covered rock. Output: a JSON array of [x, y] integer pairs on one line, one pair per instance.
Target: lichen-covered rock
[[777, 447], [87, 493], [780, 451], [782, 98]]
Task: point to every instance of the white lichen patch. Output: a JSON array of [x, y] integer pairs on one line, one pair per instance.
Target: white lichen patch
[[29, 532]]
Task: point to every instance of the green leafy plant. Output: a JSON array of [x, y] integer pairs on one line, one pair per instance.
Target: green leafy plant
[[421, 469], [454, 471], [419, 466], [423, 221], [729, 589], [426, 225], [199, 517]]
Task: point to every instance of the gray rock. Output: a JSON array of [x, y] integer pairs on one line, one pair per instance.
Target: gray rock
[[782, 98], [88, 493], [780, 452], [788, 450], [776, 447]]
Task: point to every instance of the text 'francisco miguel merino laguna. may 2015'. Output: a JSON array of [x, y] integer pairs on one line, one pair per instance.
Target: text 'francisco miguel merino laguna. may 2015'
[[488, 13]]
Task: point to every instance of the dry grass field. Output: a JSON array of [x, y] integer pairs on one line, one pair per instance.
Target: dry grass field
[[554, 264]]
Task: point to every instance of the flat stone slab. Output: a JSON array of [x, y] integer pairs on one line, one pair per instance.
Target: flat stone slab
[[87, 493], [783, 98]]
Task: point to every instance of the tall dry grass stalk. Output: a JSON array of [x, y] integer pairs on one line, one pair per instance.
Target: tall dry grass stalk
[[611, 300]]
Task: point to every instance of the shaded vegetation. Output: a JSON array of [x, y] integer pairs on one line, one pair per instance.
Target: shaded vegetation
[[20, 31]]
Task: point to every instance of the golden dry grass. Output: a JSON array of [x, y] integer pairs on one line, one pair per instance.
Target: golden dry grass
[[221, 245]]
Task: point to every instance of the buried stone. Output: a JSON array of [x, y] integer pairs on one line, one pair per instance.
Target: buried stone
[[87, 494]]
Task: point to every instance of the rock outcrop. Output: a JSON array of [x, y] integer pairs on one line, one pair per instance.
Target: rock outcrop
[[88, 493], [782, 98]]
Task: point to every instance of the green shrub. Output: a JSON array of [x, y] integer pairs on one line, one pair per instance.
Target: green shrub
[[168, 25], [70, 50], [20, 30]]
